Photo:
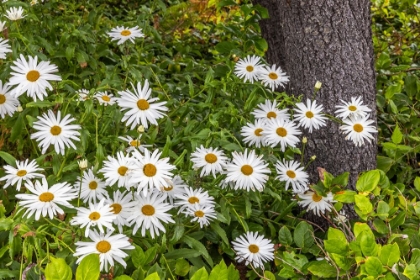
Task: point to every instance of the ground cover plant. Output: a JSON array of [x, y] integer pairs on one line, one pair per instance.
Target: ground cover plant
[[147, 140]]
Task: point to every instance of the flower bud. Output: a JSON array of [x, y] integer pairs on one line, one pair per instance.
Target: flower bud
[[304, 140], [318, 85], [83, 164], [140, 129]]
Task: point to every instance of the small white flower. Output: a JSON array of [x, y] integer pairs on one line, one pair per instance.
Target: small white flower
[[2, 26], [211, 160], [293, 174], [283, 132], [252, 133], [122, 206], [134, 144], [201, 214], [15, 13], [316, 203], [253, 249], [248, 68], [272, 77], [175, 187], [310, 116], [92, 188], [9, 104], [105, 98], [24, 172], [358, 130], [4, 48], [83, 94], [268, 110], [123, 34], [354, 108], [190, 197], [118, 170]]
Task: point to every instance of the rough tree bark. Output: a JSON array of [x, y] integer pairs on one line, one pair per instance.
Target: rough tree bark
[[328, 41]]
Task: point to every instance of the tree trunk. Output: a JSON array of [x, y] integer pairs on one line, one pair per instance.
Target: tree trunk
[[328, 41]]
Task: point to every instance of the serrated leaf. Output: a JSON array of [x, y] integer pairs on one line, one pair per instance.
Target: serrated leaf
[[200, 274], [396, 136], [88, 268], [303, 235], [285, 236], [389, 254], [58, 269]]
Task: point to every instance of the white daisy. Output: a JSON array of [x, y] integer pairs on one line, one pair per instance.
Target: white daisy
[[134, 144], [191, 197], [254, 249], [247, 171], [92, 188], [83, 94], [310, 116], [52, 130], [98, 214], [272, 77], [283, 132], [24, 172], [268, 110], [8, 103], [248, 68], [252, 133], [341, 217], [2, 26], [4, 48], [293, 174], [44, 200], [105, 98], [354, 108], [109, 247], [33, 78], [211, 160], [201, 214], [118, 170], [173, 188], [149, 214], [316, 203], [151, 172], [15, 13], [123, 34], [358, 130], [122, 207], [139, 107]]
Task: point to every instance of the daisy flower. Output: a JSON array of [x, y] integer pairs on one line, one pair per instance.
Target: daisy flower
[[109, 247], [173, 188], [4, 48], [134, 144], [149, 214], [358, 129], [316, 203], [248, 68], [272, 77], [293, 174], [52, 130], [248, 171], [33, 78], [190, 197], [211, 160], [201, 214], [118, 170], [24, 172], [122, 207], [123, 34], [92, 188], [254, 249], [139, 107], [105, 98], [15, 13], [252, 133], [268, 110], [283, 132], [341, 217], [354, 108], [310, 116], [8, 103], [151, 172], [44, 200], [2, 26], [83, 94], [98, 214]]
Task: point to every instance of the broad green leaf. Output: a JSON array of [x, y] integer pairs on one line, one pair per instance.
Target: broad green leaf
[[342, 261], [285, 237], [219, 272], [58, 269], [199, 247], [410, 84], [182, 267], [384, 163], [9, 274], [153, 276], [88, 268], [397, 220], [123, 277], [334, 233], [303, 235], [268, 275], [200, 274], [323, 269], [233, 273], [345, 196], [411, 272], [392, 90], [368, 244], [363, 206], [396, 136], [137, 256], [149, 255], [389, 254], [336, 246], [341, 180], [415, 257], [225, 47], [382, 210], [368, 181], [182, 253], [380, 226], [373, 266], [8, 158], [417, 183], [360, 227]]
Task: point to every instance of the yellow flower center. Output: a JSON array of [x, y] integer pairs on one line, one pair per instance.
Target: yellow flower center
[[358, 127], [281, 132], [148, 210], [93, 185], [149, 170], [106, 98], [103, 246], [199, 214], [258, 131], [309, 115], [249, 68], [273, 76], [122, 170], [254, 248], [94, 216], [46, 197], [316, 197], [55, 130], [116, 208], [210, 158], [193, 200], [2, 99], [291, 174], [352, 108], [247, 169], [142, 104], [126, 32], [135, 143], [168, 188], [33, 75], [271, 115], [21, 173]]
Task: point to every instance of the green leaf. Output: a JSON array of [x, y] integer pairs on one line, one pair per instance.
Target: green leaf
[[268, 275], [182, 267], [397, 220], [410, 84], [396, 136], [336, 234], [137, 256], [392, 90], [417, 183], [373, 266], [149, 255], [380, 226], [322, 269], [199, 247], [342, 261], [303, 235], [88, 268], [11, 274], [39, 104], [341, 180], [58, 269], [368, 244], [368, 181], [360, 227], [200, 274], [336, 246], [384, 163], [17, 129], [411, 272], [285, 237], [389, 254], [220, 231], [8, 158], [123, 277], [382, 210], [153, 276], [363, 206], [182, 253], [225, 47], [415, 257], [345, 196], [219, 272]]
